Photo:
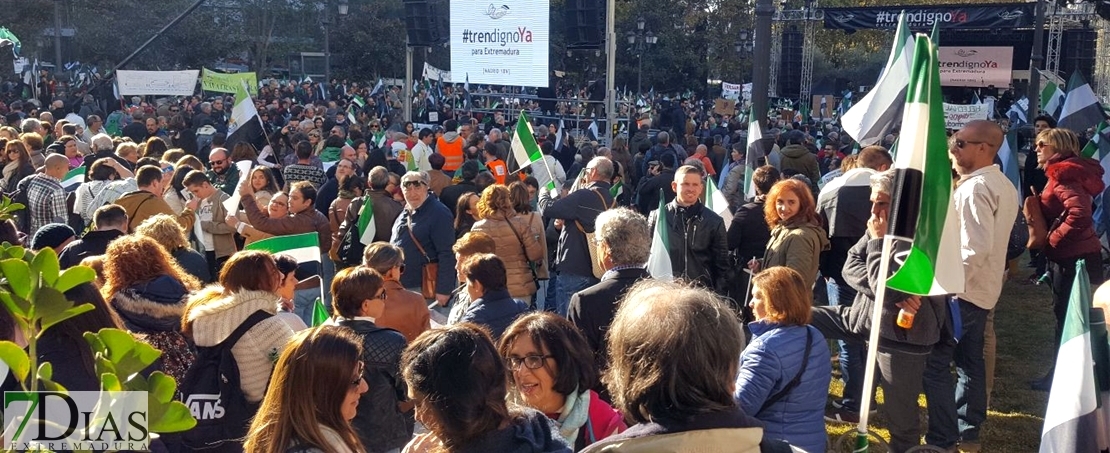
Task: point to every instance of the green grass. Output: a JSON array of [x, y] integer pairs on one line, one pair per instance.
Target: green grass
[[1024, 326]]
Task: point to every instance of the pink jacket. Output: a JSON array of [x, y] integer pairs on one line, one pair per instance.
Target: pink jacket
[[605, 420]]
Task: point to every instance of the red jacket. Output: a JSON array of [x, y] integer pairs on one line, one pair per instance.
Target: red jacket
[[1067, 200]]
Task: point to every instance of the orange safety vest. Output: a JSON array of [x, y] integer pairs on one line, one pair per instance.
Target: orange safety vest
[[499, 170], [452, 153]]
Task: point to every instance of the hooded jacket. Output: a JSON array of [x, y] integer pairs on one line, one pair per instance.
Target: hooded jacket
[[1067, 199], [797, 245], [215, 316], [450, 145], [798, 158], [154, 306]]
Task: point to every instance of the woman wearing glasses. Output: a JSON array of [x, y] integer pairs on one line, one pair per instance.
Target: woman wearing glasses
[[551, 370], [1066, 203], [311, 403], [383, 420], [457, 381]]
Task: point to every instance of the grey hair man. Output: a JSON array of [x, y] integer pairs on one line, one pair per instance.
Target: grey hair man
[[623, 241], [902, 352]]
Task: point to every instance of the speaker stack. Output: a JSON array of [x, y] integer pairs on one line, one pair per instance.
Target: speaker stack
[[427, 22]]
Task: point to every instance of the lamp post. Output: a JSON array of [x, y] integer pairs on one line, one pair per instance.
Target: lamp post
[[761, 58], [640, 40], [343, 9]]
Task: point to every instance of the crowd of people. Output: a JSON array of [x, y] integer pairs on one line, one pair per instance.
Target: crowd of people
[[480, 306]]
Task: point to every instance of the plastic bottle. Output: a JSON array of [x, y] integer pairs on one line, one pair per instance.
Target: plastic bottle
[[905, 318]]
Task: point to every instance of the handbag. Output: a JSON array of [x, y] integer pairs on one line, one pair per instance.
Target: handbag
[[1037, 224], [430, 269], [595, 263]]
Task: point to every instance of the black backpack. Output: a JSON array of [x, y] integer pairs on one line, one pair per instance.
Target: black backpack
[[211, 391], [350, 245]]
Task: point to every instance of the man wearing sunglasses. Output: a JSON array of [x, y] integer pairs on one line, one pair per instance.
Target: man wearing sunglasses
[[986, 206], [222, 173]]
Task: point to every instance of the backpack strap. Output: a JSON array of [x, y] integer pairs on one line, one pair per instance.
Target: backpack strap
[[604, 207], [245, 326], [797, 378]]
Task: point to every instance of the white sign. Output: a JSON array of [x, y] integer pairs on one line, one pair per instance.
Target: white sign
[[494, 43], [158, 83], [731, 90], [957, 116], [976, 66], [434, 73]]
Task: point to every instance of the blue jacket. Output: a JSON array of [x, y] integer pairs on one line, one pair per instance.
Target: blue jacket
[[495, 310], [432, 225], [771, 361]]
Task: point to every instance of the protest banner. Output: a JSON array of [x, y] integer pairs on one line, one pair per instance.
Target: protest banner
[[228, 83]]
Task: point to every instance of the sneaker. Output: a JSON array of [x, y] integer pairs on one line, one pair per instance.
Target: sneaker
[[839, 404], [835, 415]]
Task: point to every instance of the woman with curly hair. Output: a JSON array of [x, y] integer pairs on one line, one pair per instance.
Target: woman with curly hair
[[319, 421], [519, 243], [167, 232], [797, 238], [18, 165], [148, 290]]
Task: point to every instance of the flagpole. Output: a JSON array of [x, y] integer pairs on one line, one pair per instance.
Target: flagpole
[[873, 346]]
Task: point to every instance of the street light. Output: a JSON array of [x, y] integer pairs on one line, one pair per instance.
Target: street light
[[744, 44], [343, 9], [640, 40]]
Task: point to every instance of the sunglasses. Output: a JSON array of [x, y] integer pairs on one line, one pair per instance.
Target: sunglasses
[[217, 162], [381, 295], [410, 184], [961, 143], [358, 376]]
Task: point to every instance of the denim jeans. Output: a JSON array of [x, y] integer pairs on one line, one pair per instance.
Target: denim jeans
[[958, 409], [567, 285], [853, 355]]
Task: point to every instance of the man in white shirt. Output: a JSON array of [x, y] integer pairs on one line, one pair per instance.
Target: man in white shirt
[[986, 207], [423, 149]]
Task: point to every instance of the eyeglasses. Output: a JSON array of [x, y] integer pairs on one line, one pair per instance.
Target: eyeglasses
[[279, 203], [961, 143], [531, 362], [358, 376], [411, 184], [313, 135], [381, 295], [1042, 144]]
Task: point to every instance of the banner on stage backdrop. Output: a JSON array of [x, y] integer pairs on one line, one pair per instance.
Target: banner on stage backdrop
[[976, 66], [157, 83], [957, 116], [228, 83], [434, 73], [731, 90], [1000, 16], [500, 44]]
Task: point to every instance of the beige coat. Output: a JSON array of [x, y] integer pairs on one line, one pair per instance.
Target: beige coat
[[516, 251]]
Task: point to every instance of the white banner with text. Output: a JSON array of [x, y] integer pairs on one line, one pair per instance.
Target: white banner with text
[[157, 83], [957, 116], [500, 44], [976, 66]]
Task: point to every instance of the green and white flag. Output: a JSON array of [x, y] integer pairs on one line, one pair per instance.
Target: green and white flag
[[366, 225], [659, 261], [880, 110], [615, 191], [73, 179], [755, 152], [6, 37], [524, 146], [319, 313], [922, 211], [1052, 98], [303, 247], [1081, 109], [716, 202], [1071, 421], [1007, 153]]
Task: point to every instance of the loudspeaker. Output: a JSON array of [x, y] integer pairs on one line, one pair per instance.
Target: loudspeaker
[[585, 24], [790, 63], [427, 22], [1079, 51]]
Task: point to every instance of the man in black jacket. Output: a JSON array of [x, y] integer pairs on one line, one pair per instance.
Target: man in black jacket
[[698, 246], [657, 180], [624, 242], [109, 223]]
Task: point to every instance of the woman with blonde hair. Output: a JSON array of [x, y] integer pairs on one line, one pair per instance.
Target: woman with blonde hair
[[519, 244], [797, 238], [313, 396], [149, 291], [405, 311], [165, 230]]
